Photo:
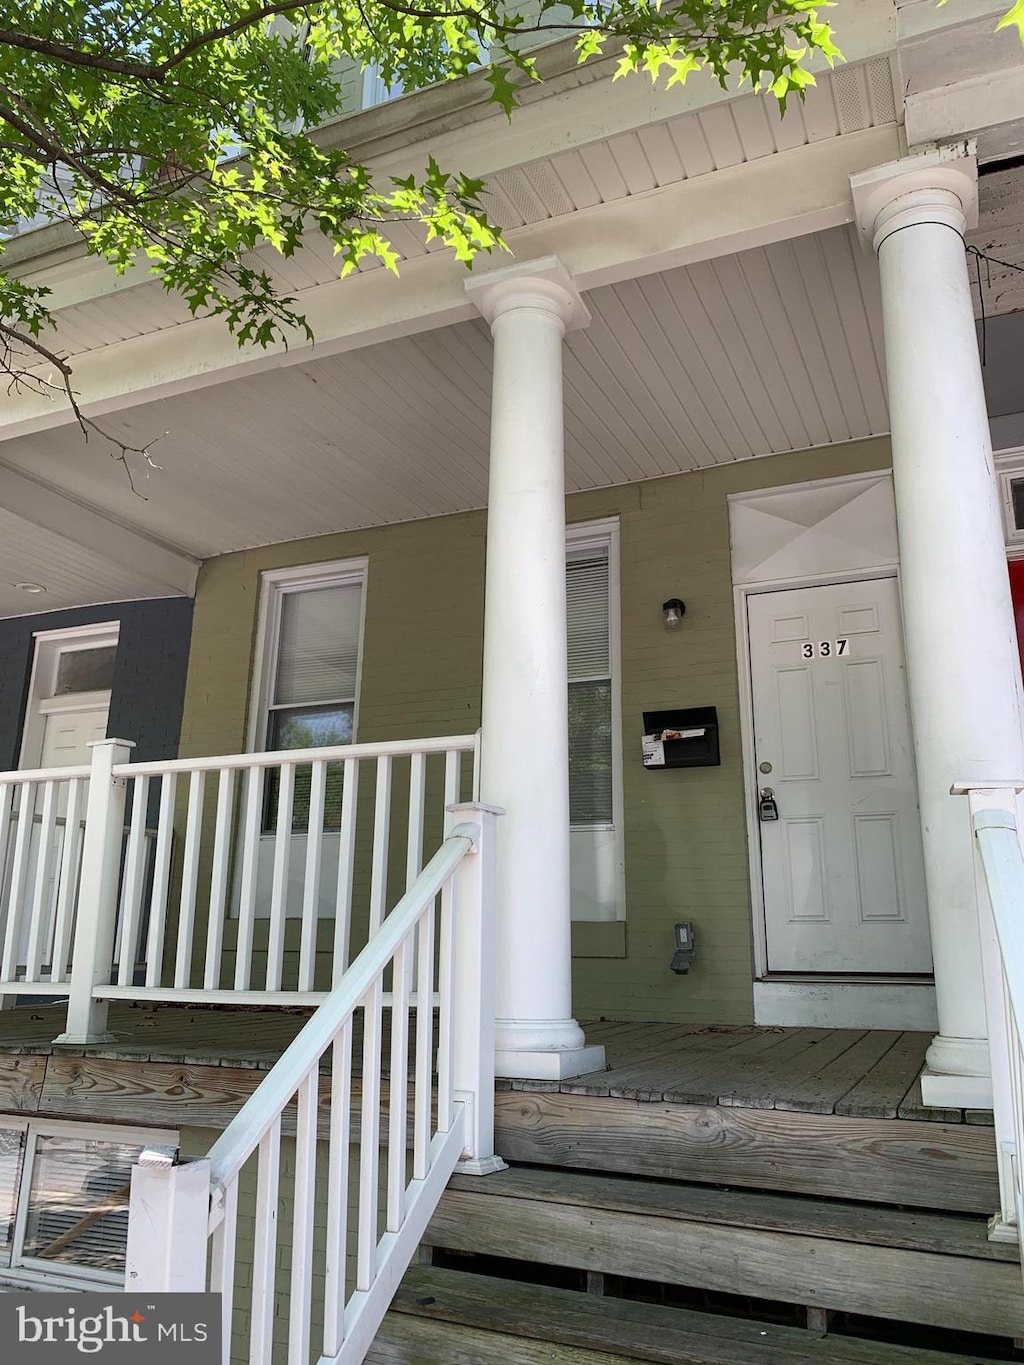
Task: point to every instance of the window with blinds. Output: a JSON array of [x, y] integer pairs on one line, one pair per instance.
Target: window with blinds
[[588, 620], [314, 675]]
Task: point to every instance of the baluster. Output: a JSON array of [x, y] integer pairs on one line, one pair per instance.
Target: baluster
[[19, 874], [222, 1268], [346, 865], [369, 1137], [268, 1179], [299, 1329], [8, 796], [250, 868], [417, 794], [339, 1151], [452, 777], [422, 1093], [189, 879], [445, 1022], [398, 1104], [279, 882], [67, 887], [39, 916], [219, 879], [381, 839], [133, 883], [161, 880], [311, 887]]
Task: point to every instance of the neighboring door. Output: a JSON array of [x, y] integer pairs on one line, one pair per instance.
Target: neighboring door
[[842, 866]]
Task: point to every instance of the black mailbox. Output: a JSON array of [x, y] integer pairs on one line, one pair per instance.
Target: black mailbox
[[686, 737]]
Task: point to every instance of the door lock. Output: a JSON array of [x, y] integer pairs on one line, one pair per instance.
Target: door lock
[[766, 806]]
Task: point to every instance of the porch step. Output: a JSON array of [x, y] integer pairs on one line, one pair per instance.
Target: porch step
[[950, 1166], [936, 1270], [449, 1317]]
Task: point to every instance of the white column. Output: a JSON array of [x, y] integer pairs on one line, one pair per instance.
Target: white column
[[957, 616], [524, 753]]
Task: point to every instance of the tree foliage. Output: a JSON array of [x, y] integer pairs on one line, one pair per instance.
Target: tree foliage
[[178, 132]]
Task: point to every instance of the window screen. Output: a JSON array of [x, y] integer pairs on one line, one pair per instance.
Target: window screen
[[12, 1148], [590, 689], [78, 1201], [312, 702]]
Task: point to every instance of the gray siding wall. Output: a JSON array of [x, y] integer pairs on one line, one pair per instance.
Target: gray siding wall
[[149, 673]]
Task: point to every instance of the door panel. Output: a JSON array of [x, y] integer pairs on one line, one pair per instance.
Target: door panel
[[842, 867]]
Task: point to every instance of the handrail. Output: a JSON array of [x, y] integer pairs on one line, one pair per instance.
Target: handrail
[[23, 775], [1003, 864], [394, 748], [261, 1110]]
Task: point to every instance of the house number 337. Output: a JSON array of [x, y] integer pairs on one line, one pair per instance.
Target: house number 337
[[825, 649]]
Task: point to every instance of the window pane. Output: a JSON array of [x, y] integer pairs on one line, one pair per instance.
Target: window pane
[[85, 670], [78, 1202], [12, 1144], [586, 599], [590, 753], [1017, 493], [318, 645], [309, 728]]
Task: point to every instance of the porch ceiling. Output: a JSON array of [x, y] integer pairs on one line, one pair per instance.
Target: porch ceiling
[[773, 349]]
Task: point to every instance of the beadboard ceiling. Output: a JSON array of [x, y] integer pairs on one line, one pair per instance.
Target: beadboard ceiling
[[772, 349]]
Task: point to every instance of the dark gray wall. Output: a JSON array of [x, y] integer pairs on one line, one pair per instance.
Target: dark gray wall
[[149, 672]]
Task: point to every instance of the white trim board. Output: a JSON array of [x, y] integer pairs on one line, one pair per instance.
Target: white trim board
[[846, 1004]]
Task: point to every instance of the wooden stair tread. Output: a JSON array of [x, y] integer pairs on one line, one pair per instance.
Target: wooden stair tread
[[885, 1161], [946, 1234], [655, 1240], [617, 1329]]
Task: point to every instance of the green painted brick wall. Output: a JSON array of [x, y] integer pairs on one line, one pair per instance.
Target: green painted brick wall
[[685, 836]]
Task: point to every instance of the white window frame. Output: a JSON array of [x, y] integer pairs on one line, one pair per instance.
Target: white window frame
[[50, 645], [1009, 467], [604, 535], [33, 1271], [276, 584]]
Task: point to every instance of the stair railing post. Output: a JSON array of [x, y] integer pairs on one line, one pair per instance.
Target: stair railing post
[[473, 984], [96, 919], [168, 1224]]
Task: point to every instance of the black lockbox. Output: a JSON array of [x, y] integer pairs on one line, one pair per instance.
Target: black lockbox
[[693, 751]]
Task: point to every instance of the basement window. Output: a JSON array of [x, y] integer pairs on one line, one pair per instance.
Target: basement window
[[64, 1200]]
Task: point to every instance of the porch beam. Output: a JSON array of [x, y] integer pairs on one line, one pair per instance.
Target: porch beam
[[159, 568], [962, 659], [754, 204]]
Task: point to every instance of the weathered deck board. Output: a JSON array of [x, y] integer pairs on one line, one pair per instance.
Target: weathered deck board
[[647, 1332], [847, 1072], [956, 1292], [921, 1165]]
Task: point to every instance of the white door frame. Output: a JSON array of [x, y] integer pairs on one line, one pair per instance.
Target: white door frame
[[751, 786], [48, 645]]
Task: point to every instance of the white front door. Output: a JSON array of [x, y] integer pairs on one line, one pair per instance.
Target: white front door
[[67, 735], [842, 866]]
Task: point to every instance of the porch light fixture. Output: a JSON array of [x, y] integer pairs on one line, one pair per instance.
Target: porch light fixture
[[30, 587], [674, 610]]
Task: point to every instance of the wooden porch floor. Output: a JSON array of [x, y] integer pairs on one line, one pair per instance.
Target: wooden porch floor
[[855, 1073]]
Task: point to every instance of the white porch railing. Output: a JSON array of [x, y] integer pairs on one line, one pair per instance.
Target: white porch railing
[[999, 864], [250, 877], [377, 1176]]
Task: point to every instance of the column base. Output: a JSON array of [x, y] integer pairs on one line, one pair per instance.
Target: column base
[[481, 1165], [547, 1064], [998, 1231], [946, 1091], [83, 1039]]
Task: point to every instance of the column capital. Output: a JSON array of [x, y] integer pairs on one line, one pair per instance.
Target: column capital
[[940, 186], [543, 284]]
